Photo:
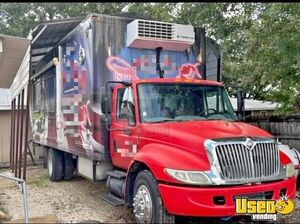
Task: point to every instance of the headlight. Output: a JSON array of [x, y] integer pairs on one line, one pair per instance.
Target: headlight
[[190, 177], [290, 170]]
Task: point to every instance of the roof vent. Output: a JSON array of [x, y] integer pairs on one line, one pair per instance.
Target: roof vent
[[152, 34]]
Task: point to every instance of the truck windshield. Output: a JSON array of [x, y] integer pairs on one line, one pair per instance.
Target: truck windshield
[[183, 102]]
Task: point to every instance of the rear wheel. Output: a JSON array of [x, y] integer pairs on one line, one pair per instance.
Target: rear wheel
[[45, 154], [147, 203], [55, 165], [68, 166]]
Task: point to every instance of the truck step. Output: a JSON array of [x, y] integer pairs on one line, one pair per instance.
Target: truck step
[[117, 174], [112, 199]]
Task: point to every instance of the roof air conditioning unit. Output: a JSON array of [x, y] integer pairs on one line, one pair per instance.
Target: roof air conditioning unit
[[152, 34]]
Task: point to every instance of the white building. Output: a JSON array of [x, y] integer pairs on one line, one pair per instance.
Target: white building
[[256, 107]]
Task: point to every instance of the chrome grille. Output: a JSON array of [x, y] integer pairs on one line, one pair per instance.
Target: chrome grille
[[238, 162]]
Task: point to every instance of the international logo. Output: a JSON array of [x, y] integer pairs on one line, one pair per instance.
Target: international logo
[[249, 144], [264, 210]]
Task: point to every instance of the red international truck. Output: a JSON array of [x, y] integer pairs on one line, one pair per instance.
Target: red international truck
[[139, 103]]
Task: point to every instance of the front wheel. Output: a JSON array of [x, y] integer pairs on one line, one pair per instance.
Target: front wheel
[[147, 203]]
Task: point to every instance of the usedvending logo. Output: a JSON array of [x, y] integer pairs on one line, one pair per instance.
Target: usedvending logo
[[261, 210]]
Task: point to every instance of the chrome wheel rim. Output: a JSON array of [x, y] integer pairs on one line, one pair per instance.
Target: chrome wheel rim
[[142, 205], [50, 166]]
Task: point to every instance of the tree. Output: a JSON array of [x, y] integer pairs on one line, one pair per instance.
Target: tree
[[18, 18], [270, 66], [157, 11], [259, 41], [259, 44]]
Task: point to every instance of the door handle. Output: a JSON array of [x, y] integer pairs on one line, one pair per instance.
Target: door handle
[[114, 145], [127, 131]]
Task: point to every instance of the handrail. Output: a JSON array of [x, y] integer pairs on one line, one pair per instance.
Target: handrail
[[24, 193]]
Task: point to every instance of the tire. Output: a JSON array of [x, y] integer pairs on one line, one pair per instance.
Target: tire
[[55, 165], [45, 154], [68, 166], [145, 190]]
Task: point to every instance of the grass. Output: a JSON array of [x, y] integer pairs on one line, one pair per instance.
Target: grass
[[39, 182], [5, 211]]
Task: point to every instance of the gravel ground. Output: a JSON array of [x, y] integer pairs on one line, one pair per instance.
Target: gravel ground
[[72, 201], [76, 201]]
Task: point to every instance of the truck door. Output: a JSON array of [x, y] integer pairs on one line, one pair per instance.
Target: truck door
[[124, 140], [49, 85]]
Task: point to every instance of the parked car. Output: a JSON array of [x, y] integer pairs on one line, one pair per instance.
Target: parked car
[[294, 155]]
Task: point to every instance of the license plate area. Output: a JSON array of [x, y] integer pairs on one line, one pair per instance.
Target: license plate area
[[256, 196]]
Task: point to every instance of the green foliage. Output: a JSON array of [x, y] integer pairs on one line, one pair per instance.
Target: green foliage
[[18, 18], [157, 11], [40, 182], [270, 57], [260, 47], [259, 41]]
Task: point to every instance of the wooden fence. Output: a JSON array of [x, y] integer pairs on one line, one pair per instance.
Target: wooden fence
[[285, 128]]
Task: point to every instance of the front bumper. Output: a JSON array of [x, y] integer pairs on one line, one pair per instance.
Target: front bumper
[[193, 201]]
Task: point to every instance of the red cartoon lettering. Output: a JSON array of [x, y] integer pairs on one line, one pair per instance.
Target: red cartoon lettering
[[189, 71], [121, 69]]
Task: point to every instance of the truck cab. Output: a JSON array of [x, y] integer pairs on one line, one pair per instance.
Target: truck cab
[[163, 110], [183, 137]]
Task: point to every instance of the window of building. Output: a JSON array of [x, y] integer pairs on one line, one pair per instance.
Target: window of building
[[263, 113]]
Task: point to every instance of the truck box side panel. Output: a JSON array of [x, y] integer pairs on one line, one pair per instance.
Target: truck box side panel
[[115, 61], [95, 53], [77, 92], [74, 135], [43, 108]]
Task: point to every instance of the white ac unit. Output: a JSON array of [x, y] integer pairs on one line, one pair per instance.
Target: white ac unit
[[152, 34]]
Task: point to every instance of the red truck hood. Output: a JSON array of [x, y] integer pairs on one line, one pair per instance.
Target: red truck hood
[[190, 135]]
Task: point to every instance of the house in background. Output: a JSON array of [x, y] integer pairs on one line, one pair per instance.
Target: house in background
[[5, 108], [12, 51], [255, 108]]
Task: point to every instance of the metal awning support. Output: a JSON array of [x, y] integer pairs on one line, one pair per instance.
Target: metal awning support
[[23, 189], [18, 139]]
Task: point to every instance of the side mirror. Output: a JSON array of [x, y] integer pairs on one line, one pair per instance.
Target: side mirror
[[102, 99], [105, 120], [241, 105]]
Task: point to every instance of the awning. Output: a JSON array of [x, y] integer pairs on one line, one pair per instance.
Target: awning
[[47, 35], [12, 51]]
